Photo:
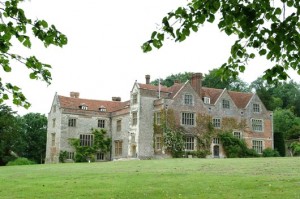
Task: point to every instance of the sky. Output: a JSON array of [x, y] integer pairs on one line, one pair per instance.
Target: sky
[[103, 57]]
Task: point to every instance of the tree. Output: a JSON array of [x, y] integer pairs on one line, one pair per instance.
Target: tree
[[261, 26], [213, 80], [11, 143], [13, 27], [286, 122], [34, 133], [169, 81]]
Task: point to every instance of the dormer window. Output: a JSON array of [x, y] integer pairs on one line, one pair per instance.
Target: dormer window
[[102, 109], [83, 107], [225, 103], [206, 100]]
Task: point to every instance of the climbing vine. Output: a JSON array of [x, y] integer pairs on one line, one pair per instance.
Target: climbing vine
[[101, 143]]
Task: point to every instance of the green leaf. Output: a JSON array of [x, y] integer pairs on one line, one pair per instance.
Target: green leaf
[[153, 35], [194, 28], [252, 55], [27, 42], [277, 11], [5, 97], [33, 76], [6, 68], [211, 18], [160, 36], [290, 3], [262, 51]]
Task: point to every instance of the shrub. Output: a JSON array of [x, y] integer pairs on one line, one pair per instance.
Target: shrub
[[63, 156], [236, 148], [268, 152], [20, 161], [295, 147]]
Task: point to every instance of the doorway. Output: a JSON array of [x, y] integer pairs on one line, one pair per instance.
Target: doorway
[[216, 151]]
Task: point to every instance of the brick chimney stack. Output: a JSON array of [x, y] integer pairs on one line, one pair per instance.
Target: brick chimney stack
[[147, 79], [74, 94], [196, 82], [116, 99]]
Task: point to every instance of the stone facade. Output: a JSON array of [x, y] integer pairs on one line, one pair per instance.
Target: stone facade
[[130, 124]]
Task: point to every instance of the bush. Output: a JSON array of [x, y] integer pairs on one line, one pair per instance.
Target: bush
[[20, 161], [63, 156], [236, 148], [268, 152]]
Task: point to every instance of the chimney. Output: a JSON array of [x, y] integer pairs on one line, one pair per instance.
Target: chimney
[[116, 99], [74, 94], [197, 82], [147, 79]]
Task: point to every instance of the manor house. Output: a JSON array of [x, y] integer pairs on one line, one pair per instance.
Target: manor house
[[132, 125]]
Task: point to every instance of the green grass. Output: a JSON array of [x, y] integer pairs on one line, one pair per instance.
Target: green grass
[[171, 178]]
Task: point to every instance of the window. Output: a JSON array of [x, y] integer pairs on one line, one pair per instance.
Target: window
[[158, 142], [83, 107], [216, 141], [102, 109], [225, 104], [157, 117], [134, 98], [118, 148], [101, 124], [187, 119], [217, 122], [256, 108], [189, 143], [119, 125], [206, 100], [70, 155], [188, 99], [257, 145], [86, 139], [237, 134], [100, 156], [134, 118], [72, 122], [257, 125], [54, 108], [52, 139], [53, 123]]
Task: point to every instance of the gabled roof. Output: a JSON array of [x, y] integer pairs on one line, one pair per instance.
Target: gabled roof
[[93, 105], [212, 93], [240, 99], [171, 90]]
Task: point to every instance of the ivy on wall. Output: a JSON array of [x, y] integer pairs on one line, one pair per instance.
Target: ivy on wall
[[101, 143]]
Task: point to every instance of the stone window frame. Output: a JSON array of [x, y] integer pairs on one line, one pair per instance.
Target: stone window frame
[[216, 141], [216, 122], [225, 104], [134, 118], [72, 122], [189, 143], [53, 122], [54, 108], [257, 125], [100, 156], [188, 118], [258, 145], [188, 99], [86, 139], [70, 155], [101, 123], [256, 107], [118, 148], [52, 139], [158, 118], [119, 125], [134, 98], [158, 142], [237, 134]]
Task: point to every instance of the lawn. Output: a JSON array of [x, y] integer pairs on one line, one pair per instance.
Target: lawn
[[169, 178]]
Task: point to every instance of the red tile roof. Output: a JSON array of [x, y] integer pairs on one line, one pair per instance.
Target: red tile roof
[[212, 93], [93, 105], [240, 99]]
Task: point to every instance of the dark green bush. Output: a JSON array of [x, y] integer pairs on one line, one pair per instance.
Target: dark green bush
[[268, 152], [20, 161], [235, 148]]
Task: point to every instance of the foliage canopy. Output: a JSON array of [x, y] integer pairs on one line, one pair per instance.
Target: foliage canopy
[[14, 27], [262, 28]]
